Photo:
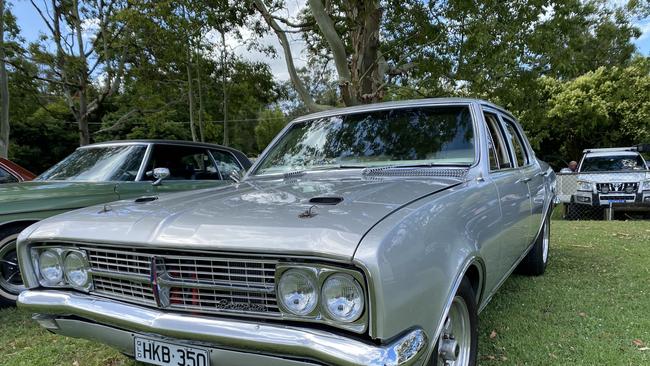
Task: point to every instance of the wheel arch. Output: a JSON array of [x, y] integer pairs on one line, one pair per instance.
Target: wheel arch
[[475, 274], [17, 223]]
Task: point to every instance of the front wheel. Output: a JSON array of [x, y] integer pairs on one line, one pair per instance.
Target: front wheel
[[11, 283], [458, 342]]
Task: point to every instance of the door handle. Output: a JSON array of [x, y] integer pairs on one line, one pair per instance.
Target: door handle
[[524, 180], [542, 174]]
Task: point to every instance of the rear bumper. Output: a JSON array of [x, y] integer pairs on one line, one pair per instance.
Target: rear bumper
[[240, 342]]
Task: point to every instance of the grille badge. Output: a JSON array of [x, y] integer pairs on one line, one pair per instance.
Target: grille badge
[[160, 293]]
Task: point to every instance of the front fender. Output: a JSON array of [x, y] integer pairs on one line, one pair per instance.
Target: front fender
[[414, 259]]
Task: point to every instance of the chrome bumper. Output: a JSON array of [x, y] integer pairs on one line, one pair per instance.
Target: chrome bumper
[[267, 339]]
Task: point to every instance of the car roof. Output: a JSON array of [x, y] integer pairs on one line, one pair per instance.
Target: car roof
[[401, 104], [611, 153]]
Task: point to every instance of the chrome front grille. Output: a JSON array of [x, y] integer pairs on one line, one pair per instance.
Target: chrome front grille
[[626, 187], [194, 282]]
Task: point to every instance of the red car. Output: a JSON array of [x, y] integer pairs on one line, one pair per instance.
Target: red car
[[12, 172]]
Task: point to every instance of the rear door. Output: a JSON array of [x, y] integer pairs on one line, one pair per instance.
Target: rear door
[[513, 191], [531, 173]]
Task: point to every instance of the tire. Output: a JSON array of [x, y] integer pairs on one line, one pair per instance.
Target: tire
[[463, 307], [535, 262], [11, 283]]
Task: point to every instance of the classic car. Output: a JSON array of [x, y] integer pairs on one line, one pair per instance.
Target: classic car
[[369, 235], [613, 177], [101, 173], [11, 172]]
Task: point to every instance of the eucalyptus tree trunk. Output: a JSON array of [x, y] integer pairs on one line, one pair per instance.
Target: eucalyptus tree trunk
[[200, 87], [4, 89], [190, 96], [226, 141], [82, 118]]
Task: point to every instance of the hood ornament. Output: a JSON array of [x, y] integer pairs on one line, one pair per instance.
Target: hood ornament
[[106, 209], [308, 213]]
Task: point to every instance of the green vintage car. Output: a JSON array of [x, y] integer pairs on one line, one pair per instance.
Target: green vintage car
[[102, 173]]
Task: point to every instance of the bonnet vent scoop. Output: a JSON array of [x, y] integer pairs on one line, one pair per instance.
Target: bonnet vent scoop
[[326, 200], [145, 199]]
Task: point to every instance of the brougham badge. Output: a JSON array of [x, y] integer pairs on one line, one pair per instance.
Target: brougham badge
[[308, 213]]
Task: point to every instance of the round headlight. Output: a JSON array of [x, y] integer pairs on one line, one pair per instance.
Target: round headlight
[[76, 270], [297, 292], [49, 265], [342, 298]]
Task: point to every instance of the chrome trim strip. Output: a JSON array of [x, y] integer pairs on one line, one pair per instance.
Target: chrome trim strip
[[288, 341], [165, 281], [143, 165], [121, 276]]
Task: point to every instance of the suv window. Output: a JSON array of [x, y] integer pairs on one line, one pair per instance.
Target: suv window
[[612, 163], [183, 162], [499, 158], [5, 177], [226, 163], [517, 143]]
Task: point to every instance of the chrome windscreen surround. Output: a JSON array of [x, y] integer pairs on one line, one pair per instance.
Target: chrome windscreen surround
[[320, 273], [192, 282]]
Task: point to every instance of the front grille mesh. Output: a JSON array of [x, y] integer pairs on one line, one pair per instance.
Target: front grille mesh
[[194, 282], [628, 187]]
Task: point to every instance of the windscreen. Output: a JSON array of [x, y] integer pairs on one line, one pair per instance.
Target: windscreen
[[99, 164], [428, 136], [613, 163]]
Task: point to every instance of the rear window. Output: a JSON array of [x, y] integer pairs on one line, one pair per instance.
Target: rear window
[[612, 163]]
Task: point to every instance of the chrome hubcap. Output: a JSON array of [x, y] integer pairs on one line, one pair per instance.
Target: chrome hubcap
[[545, 241], [455, 342], [10, 280]]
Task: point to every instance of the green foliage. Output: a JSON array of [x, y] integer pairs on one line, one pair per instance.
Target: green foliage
[[43, 138], [271, 121], [603, 108]]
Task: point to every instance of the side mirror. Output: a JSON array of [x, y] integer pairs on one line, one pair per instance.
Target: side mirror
[[159, 174], [237, 175]]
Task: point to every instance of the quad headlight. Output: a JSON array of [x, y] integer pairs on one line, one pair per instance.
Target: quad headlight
[[322, 293], [297, 292], [50, 268], [76, 270], [61, 267], [342, 298]]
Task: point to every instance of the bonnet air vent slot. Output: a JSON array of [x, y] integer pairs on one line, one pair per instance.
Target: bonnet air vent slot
[[331, 200], [145, 199]]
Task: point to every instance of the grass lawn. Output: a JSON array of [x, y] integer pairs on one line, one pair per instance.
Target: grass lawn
[[592, 307]]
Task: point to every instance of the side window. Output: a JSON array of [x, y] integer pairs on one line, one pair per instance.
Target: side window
[[225, 162], [501, 159], [183, 162], [492, 152], [5, 177], [517, 143]]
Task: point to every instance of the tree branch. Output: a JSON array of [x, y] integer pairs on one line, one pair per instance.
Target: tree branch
[[291, 68], [287, 22], [337, 47], [40, 12]]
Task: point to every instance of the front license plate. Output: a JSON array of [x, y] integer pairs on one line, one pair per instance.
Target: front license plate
[[168, 354], [616, 201]]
